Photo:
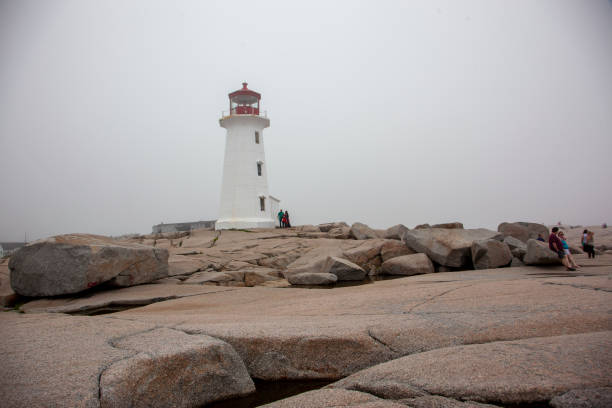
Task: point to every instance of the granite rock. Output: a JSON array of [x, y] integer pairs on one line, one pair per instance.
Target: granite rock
[[490, 253], [68, 264], [448, 247], [414, 264], [344, 269], [362, 231]]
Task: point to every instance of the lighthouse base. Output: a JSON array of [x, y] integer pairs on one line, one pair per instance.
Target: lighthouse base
[[244, 223]]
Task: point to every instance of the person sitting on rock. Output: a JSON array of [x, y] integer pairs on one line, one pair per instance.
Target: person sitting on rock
[[541, 238], [566, 249], [554, 243]]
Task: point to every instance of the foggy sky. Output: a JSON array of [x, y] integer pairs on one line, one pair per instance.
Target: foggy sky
[[383, 112]]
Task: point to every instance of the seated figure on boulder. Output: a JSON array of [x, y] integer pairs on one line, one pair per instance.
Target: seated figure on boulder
[[554, 243]]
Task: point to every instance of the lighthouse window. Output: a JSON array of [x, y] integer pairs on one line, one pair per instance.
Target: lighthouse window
[[257, 137], [259, 169], [262, 203]]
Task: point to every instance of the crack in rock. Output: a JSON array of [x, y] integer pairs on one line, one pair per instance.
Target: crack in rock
[[428, 300], [379, 341], [577, 286]]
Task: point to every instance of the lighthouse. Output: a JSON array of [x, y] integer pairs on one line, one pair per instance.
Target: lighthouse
[[245, 202]]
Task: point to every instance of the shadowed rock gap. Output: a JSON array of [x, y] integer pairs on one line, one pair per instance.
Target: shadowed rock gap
[[270, 391]]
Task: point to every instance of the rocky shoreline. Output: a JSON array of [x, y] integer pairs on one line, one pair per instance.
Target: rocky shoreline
[[460, 328]]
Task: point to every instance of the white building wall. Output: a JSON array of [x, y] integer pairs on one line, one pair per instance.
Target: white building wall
[[274, 208], [241, 184]]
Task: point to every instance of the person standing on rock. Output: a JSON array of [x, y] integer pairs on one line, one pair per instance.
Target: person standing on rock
[[566, 249], [287, 222], [584, 237], [280, 218], [590, 244], [554, 243]]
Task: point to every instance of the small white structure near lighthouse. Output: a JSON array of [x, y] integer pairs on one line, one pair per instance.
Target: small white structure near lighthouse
[[245, 202]]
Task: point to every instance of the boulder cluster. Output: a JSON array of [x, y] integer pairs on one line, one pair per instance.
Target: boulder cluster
[[307, 255]]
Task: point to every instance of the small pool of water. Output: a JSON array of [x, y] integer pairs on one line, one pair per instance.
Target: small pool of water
[[270, 391]]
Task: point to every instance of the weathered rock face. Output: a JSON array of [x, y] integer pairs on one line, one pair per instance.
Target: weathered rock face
[[307, 278], [422, 226], [517, 247], [414, 264], [538, 253], [331, 225], [393, 248], [510, 372], [585, 398], [68, 264], [367, 254], [516, 262], [7, 296], [308, 228], [340, 233], [193, 371], [362, 231], [395, 232], [490, 253], [523, 230], [312, 262], [449, 225], [345, 270], [448, 247], [331, 398]]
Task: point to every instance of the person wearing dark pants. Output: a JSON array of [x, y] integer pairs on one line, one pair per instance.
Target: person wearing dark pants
[[589, 246], [280, 218]]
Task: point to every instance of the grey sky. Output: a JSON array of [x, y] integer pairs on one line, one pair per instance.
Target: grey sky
[[381, 111]]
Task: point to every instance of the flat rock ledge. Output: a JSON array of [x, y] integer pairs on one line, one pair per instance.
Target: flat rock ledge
[[74, 361], [511, 372]]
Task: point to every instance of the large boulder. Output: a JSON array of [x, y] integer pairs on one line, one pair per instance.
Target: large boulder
[[517, 247], [422, 226], [312, 261], [414, 264], [345, 270], [72, 263], [448, 247], [395, 232], [393, 248], [362, 231], [340, 233], [490, 253], [331, 225], [538, 253], [523, 230], [366, 255], [193, 371], [308, 278]]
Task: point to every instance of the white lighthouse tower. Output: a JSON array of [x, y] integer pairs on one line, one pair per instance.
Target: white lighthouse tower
[[245, 202]]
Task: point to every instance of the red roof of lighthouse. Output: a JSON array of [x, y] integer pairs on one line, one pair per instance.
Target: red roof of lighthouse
[[245, 91]]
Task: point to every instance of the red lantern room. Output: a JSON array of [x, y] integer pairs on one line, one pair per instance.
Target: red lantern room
[[244, 101]]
